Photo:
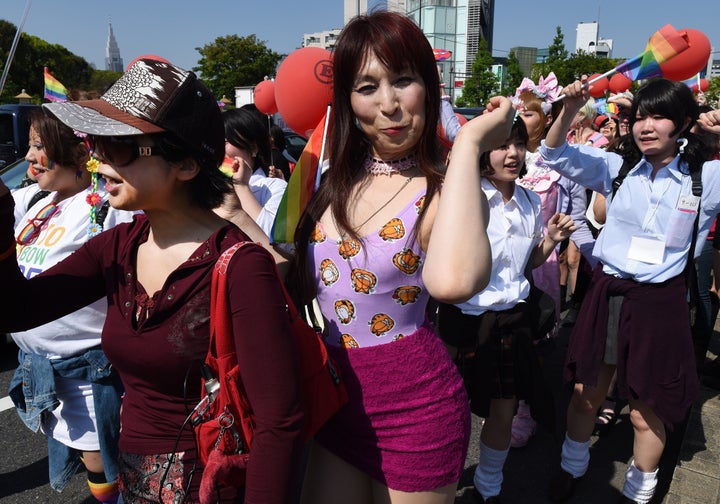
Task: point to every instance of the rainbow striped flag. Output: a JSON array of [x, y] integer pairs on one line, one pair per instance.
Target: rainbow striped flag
[[54, 91], [693, 82], [226, 166], [303, 183], [665, 43]]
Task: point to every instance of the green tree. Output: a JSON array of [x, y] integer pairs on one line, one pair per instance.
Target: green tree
[[555, 62], [713, 92], [32, 54], [514, 75], [481, 84], [232, 61]]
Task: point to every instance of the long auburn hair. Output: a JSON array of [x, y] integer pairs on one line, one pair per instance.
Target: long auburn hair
[[400, 45]]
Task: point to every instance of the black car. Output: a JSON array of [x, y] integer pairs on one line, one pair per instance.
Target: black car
[[469, 112]]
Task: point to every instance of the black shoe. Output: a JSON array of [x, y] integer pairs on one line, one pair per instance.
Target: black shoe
[[478, 499], [626, 500], [570, 317], [562, 486]]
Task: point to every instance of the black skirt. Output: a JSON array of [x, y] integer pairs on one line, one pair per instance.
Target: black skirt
[[497, 358]]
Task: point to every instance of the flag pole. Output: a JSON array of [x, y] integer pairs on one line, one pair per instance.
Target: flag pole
[[592, 81], [14, 45], [318, 174]]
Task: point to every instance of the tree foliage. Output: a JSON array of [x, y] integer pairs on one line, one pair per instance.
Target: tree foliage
[[31, 55], [713, 92], [482, 83], [514, 75], [232, 61]]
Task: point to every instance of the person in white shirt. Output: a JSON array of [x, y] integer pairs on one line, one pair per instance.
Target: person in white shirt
[[492, 330], [247, 142], [636, 318], [62, 359]]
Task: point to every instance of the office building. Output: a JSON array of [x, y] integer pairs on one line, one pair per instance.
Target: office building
[[113, 61]]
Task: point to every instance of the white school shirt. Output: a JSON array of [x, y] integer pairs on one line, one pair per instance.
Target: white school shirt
[[514, 229], [642, 208], [269, 192]]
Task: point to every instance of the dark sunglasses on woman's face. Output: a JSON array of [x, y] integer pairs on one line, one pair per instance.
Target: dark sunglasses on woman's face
[[120, 151]]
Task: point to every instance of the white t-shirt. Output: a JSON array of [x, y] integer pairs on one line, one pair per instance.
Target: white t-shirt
[[63, 233], [73, 421]]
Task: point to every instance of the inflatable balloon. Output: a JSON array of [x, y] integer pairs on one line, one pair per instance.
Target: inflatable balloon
[[619, 83], [147, 56], [597, 89], [303, 88], [264, 97], [693, 84], [690, 61]]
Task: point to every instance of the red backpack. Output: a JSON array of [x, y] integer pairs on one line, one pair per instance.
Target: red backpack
[[224, 420]]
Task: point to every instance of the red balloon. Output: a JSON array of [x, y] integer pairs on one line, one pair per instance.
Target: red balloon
[[597, 89], [264, 97], [147, 56], [303, 88], [690, 61], [619, 83], [703, 85]]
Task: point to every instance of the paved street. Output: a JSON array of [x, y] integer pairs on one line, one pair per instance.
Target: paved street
[[23, 464]]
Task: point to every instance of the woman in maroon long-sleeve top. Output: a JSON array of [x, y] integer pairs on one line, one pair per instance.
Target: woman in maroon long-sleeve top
[[160, 131]]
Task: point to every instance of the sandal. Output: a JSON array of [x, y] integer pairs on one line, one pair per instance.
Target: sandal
[[607, 416]]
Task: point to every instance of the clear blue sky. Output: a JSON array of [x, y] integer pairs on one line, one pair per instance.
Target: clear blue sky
[[174, 28]]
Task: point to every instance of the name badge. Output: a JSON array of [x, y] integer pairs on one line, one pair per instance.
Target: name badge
[[646, 250], [689, 203]]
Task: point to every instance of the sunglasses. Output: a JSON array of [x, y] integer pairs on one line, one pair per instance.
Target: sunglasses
[[32, 230], [120, 151]]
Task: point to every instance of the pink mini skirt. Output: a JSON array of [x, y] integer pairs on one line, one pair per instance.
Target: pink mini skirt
[[407, 424]]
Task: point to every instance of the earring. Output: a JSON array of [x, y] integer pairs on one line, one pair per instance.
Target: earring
[[78, 174], [356, 121], [683, 143]]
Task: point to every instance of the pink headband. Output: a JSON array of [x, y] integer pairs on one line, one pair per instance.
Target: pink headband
[[547, 90]]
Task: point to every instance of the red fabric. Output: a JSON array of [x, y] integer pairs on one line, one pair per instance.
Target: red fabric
[[655, 359], [224, 454]]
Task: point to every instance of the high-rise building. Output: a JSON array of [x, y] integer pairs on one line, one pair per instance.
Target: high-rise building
[[113, 61], [354, 8], [587, 40], [456, 26]]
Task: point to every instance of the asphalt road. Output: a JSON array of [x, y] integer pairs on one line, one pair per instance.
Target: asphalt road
[[528, 470]]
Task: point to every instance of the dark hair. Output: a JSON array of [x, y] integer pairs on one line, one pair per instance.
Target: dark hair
[[518, 132], [209, 187], [672, 100], [59, 141], [244, 129], [400, 45]]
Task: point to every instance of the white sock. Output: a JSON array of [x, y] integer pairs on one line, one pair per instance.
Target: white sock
[[575, 456], [488, 474], [639, 486]]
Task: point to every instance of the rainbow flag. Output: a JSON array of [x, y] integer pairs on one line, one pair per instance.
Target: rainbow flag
[[665, 43], [303, 183], [693, 82], [54, 91], [227, 166]]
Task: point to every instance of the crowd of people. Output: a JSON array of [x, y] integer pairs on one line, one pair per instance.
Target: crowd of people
[[422, 263]]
